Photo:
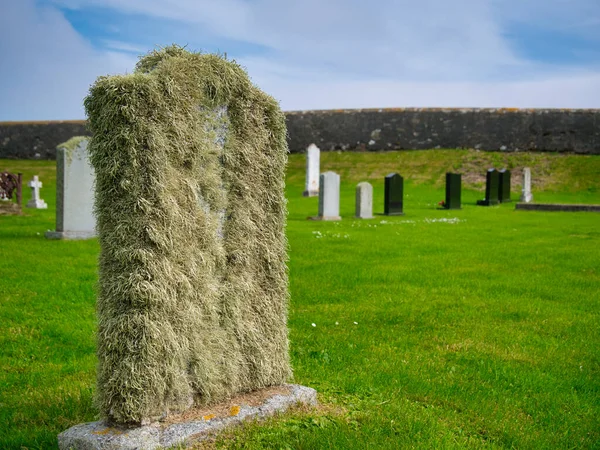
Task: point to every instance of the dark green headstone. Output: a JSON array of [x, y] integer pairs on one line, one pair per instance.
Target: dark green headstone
[[504, 186], [492, 193], [452, 191], [393, 196]]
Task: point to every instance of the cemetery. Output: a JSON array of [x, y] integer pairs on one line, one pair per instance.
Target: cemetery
[[161, 282]]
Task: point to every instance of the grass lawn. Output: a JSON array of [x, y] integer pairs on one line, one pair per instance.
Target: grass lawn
[[436, 329]]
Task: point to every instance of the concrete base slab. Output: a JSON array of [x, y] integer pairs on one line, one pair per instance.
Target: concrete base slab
[[102, 436], [70, 234], [556, 207]]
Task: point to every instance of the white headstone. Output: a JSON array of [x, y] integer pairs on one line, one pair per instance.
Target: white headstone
[[313, 161], [526, 195], [74, 194], [364, 200], [36, 202], [329, 196]]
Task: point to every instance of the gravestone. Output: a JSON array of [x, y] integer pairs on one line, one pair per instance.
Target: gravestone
[[190, 214], [453, 188], [393, 195], [504, 186], [313, 157], [526, 195], [492, 193], [364, 200], [36, 202], [74, 192], [329, 197]]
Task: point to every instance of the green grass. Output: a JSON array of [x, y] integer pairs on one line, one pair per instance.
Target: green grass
[[475, 328]]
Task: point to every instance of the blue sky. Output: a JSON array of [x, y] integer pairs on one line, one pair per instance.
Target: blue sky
[[313, 54]]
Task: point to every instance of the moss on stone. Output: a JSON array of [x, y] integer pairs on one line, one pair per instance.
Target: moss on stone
[[189, 159]]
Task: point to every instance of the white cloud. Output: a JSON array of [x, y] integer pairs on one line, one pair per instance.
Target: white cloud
[[311, 53], [47, 67]]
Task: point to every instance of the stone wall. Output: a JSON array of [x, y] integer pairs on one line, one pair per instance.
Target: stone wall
[[411, 128], [37, 140], [556, 130]]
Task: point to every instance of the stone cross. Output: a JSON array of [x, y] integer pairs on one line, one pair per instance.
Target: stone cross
[[313, 156], [329, 196], [364, 200], [526, 195], [36, 202]]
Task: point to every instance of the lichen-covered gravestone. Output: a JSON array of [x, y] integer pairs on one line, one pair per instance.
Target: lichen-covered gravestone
[[74, 191], [189, 159]]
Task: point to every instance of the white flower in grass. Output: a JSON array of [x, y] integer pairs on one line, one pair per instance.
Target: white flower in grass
[[314, 324], [337, 323], [355, 323]]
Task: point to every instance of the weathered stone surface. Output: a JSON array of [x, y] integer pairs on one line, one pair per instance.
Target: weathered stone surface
[[100, 436], [503, 129], [37, 140], [557, 207]]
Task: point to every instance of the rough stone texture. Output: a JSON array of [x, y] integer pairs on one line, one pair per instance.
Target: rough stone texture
[[561, 130], [74, 194], [556, 207], [504, 129], [313, 169], [37, 140], [100, 436]]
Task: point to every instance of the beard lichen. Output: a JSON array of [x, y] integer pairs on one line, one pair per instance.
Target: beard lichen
[[189, 158]]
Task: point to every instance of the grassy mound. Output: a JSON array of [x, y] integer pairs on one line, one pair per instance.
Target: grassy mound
[[192, 304]]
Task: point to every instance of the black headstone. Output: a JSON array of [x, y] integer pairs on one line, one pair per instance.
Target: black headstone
[[492, 193], [504, 186], [452, 191], [393, 196]]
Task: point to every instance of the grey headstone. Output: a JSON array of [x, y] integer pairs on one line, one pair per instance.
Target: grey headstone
[[313, 161], [364, 200], [526, 195], [74, 194], [329, 196]]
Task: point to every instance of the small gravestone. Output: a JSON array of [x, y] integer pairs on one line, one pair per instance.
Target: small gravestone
[[329, 197], [453, 187], [526, 195], [364, 200], [313, 157], [504, 186], [393, 195], [36, 202], [74, 192], [491, 189]]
